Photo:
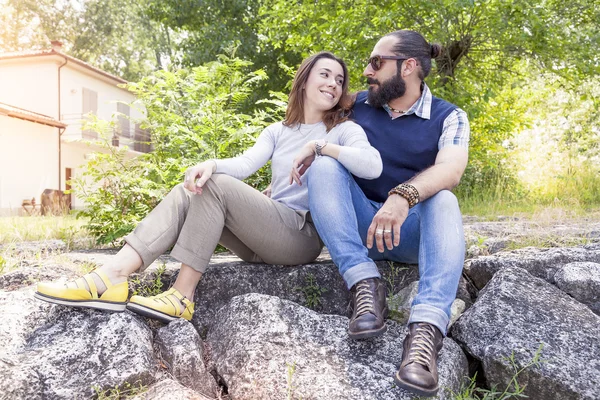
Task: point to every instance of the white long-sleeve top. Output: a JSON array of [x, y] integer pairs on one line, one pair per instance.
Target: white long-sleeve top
[[281, 144]]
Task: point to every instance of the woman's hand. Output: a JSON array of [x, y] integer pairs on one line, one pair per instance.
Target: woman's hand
[[303, 160], [267, 191], [196, 176]]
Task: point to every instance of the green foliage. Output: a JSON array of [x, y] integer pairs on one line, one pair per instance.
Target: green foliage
[[291, 370], [117, 192], [126, 391], [152, 288], [193, 115], [67, 235], [312, 292], [118, 36], [3, 264]]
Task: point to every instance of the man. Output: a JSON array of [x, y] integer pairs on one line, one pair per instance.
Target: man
[[406, 215]]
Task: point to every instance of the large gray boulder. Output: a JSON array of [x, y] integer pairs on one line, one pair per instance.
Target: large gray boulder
[[76, 353], [183, 352], [268, 348], [543, 263], [582, 281], [514, 315], [318, 285]]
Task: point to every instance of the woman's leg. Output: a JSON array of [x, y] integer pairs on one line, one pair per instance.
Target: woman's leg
[[154, 235], [229, 209], [251, 224], [106, 287]]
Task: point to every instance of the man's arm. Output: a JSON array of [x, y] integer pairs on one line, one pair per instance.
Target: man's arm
[[449, 166]]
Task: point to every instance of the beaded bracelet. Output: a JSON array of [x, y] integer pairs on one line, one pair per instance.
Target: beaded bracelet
[[409, 192]]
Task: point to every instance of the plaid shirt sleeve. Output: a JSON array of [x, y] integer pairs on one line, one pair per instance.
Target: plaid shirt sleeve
[[456, 130]]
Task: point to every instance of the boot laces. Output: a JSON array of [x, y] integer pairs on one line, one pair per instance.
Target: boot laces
[[364, 299], [422, 346]]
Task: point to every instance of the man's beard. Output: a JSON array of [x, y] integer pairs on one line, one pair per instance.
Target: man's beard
[[387, 91]]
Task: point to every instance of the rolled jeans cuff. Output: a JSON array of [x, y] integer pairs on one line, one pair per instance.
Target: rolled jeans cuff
[[431, 315], [143, 251], [359, 272]]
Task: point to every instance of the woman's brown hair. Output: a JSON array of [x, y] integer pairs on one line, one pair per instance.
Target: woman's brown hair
[[294, 113]]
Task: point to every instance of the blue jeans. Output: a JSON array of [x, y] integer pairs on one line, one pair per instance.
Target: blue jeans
[[432, 236]]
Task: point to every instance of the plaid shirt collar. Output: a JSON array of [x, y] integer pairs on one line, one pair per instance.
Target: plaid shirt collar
[[421, 108]]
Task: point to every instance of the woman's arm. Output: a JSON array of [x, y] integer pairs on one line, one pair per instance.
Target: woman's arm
[[239, 167], [354, 152], [251, 160]]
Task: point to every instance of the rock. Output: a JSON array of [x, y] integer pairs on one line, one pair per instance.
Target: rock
[[77, 353], [171, 390], [26, 276], [582, 281], [182, 350], [542, 263], [268, 348], [401, 303], [317, 286], [517, 312], [20, 314], [457, 309]]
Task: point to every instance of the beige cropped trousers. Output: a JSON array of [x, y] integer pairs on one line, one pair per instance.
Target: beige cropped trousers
[[256, 228]]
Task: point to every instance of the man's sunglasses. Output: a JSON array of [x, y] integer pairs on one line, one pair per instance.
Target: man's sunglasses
[[376, 61]]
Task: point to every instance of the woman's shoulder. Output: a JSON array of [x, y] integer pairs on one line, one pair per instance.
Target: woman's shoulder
[[274, 129]]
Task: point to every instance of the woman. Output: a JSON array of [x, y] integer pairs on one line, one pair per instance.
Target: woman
[[213, 205]]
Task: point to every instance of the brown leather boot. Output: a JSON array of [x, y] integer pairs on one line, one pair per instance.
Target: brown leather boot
[[418, 371], [369, 309]]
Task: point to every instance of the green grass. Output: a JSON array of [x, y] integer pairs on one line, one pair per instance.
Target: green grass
[[21, 229], [512, 390], [491, 209]]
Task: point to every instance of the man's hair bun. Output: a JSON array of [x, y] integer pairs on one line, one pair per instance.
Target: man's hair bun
[[436, 50]]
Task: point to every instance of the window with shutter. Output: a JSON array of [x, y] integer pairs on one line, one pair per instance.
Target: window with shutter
[[90, 105], [142, 141], [124, 124]]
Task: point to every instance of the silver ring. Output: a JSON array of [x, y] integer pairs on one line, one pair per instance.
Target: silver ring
[[379, 231], [387, 231]]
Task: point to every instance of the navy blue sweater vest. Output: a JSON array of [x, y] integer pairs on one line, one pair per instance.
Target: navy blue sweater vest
[[408, 144]]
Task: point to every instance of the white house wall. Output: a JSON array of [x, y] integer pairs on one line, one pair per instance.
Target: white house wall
[[28, 162], [32, 86]]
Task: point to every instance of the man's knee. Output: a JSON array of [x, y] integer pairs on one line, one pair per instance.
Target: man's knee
[[444, 200]]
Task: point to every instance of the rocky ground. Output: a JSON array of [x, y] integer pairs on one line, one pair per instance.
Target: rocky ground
[[529, 301]]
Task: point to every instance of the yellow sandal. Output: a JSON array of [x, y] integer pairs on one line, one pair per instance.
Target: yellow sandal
[[114, 297], [162, 306]]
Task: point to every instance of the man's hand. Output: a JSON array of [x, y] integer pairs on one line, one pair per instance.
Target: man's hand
[[202, 172], [303, 160], [386, 222]]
